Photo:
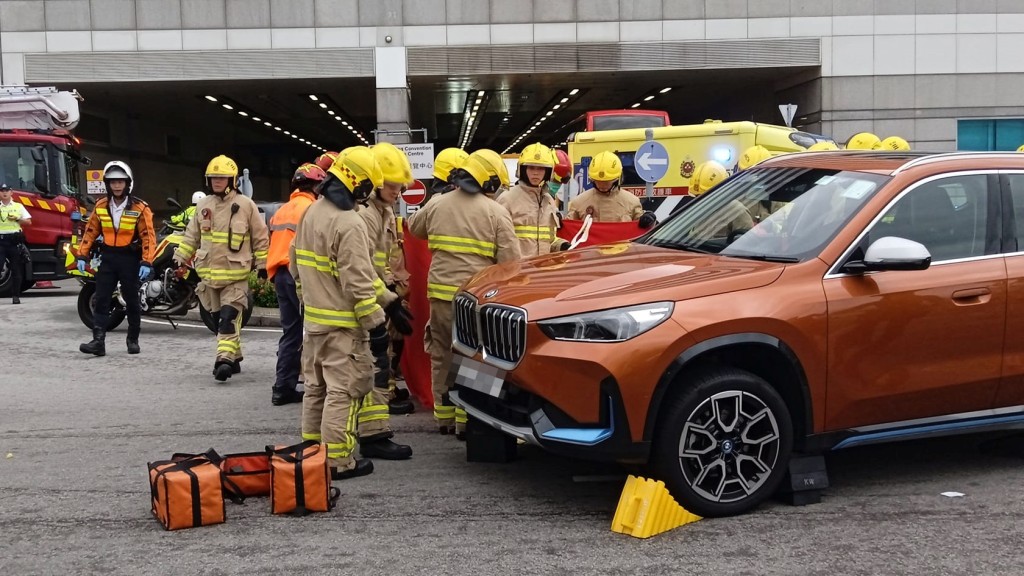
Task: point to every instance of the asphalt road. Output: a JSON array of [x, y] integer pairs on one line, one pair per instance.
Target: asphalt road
[[80, 430]]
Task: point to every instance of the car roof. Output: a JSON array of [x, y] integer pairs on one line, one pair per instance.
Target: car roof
[[893, 163]]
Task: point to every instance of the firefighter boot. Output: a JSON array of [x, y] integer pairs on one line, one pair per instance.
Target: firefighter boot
[[385, 449], [222, 369], [363, 467], [398, 407], [96, 346], [133, 340]]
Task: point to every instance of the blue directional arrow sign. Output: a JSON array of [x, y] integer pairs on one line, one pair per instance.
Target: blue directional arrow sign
[[651, 161]]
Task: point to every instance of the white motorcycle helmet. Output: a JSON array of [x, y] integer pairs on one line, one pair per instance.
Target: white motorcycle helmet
[[197, 196]]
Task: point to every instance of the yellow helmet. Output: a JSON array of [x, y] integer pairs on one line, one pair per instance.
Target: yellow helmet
[[394, 164], [706, 176], [753, 156], [822, 147], [862, 141], [1020, 148], [893, 143], [357, 168], [605, 167], [448, 161], [483, 171], [223, 167], [536, 154]]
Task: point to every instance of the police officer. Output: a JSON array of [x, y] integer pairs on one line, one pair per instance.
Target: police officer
[[282, 232], [12, 239], [534, 210], [465, 232], [181, 219], [227, 237], [345, 309], [606, 202], [129, 243]]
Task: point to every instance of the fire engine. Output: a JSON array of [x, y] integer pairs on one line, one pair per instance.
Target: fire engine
[[39, 160]]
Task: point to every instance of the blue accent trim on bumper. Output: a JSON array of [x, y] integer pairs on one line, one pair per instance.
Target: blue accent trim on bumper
[[584, 436]]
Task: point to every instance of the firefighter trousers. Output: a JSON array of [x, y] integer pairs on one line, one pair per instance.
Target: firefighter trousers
[[438, 343], [289, 347], [374, 419], [338, 369], [117, 267], [229, 323]]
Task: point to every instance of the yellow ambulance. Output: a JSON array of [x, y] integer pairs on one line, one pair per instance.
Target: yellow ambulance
[[687, 147]]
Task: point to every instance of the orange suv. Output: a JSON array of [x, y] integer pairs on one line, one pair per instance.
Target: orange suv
[[815, 302]]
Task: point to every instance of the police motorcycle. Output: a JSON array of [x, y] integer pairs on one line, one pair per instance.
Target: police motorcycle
[[168, 293]]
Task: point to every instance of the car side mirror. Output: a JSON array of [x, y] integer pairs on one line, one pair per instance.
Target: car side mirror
[[891, 253], [41, 178], [174, 204]]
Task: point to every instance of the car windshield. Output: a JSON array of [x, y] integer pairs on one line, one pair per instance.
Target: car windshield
[[17, 168], [776, 214]]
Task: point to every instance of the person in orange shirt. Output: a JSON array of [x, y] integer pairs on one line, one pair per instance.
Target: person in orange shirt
[[282, 232], [129, 242]]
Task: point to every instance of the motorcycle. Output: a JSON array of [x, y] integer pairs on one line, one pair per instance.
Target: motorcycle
[[169, 292]]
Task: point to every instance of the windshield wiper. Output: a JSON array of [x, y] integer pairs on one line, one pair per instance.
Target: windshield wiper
[[766, 258], [680, 246]]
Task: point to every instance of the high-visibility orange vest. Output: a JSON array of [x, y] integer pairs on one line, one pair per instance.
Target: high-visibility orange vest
[[282, 229], [136, 227]]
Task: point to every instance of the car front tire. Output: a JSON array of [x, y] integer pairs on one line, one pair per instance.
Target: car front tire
[[724, 443]]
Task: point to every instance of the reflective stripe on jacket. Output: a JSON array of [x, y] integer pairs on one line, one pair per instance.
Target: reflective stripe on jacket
[[282, 229], [533, 215], [465, 233], [330, 260], [227, 242], [136, 226]]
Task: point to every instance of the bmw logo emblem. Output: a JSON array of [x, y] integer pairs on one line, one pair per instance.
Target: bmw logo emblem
[[491, 293], [727, 446]]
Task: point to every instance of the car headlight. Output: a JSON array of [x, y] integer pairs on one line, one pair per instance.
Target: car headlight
[[613, 325]]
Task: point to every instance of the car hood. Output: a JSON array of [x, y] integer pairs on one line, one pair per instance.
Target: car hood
[[613, 275]]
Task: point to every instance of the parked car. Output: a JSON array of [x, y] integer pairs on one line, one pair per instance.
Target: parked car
[[816, 302]]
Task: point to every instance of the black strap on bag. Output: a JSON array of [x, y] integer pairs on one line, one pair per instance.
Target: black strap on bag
[[231, 490], [197, 504]]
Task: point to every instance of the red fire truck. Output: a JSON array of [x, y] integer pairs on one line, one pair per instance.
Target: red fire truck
[[39, 160]]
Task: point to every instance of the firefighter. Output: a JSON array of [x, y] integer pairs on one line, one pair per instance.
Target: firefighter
[[129, 244], [752, 157], [562, 174], [326, 160], [445, 164], [863, 141], [465, 232], [345, 311], [228, 237], [282, 231], [894, 143], [534, 212], [606, 202], [181, 219], [734, 219], [13, 215], [822, 147]]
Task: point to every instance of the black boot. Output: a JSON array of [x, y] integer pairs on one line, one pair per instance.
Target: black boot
[[363, 467], [282, 397], [96, 346], [399, 407], [15, 300], [133, 340], [222, 370], [385, 449]]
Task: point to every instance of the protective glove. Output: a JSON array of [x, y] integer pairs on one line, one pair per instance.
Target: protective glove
[[379, 341], [144, 272], [80, 264], [564, 246], [261, 273], [647, 220], [400, 318]]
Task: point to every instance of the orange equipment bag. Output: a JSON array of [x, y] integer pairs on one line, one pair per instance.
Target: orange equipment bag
[[300, 479], [187, 493], [249, 472]]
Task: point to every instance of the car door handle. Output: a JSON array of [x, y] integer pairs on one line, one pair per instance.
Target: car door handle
[[972, 296]]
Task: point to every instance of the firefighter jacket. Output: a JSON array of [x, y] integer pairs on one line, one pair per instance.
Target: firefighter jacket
[[533, 213], [615, 206], [134, 232], [181, 219], [330, 260], [381, 231], [226, 236], [465, 233], [282, 229]]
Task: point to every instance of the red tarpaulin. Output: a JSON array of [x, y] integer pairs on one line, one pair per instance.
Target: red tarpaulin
[[415, 362]]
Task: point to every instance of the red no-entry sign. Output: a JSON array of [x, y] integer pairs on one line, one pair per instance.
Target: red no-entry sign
[[415, 194]]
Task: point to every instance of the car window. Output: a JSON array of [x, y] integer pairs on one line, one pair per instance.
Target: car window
[[950, 216], [1017, 195]]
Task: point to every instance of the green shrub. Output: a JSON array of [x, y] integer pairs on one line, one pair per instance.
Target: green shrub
[[263, 293]]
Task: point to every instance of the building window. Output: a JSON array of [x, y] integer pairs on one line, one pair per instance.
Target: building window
[[1004, 134]]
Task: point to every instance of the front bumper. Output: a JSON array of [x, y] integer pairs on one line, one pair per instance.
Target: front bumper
[[485, 394]]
